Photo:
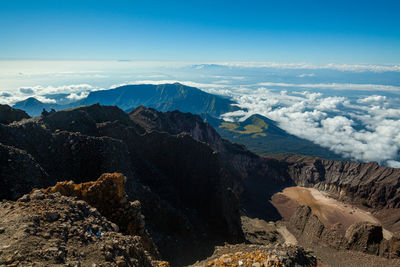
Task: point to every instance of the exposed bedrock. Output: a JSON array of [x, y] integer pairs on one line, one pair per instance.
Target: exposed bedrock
[[367, 183], [361, 236]]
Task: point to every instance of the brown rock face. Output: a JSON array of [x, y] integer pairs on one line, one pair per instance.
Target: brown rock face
[[308, 227], [367, 183], [364, 237], [361, 236], [55, 230], [108, 196]]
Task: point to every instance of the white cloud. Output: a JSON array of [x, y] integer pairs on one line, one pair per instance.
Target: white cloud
[[39, 92], [74, 88], [303, 75], [393, 163], [323, 121], [75, 96], [331, 66], [336, 86], [330, 103], [46, 100], [372, 99]]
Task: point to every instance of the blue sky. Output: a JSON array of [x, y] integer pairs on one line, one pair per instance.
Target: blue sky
[[208, 31]]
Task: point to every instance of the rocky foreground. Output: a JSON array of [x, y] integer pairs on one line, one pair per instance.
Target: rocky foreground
[[51, 229], [58, 227]]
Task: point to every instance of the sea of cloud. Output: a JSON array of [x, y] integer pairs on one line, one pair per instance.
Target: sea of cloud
[[43, 93], [364, 129]]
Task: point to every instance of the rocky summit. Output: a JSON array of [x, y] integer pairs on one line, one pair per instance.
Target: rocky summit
[[50, 229], [95, 186]]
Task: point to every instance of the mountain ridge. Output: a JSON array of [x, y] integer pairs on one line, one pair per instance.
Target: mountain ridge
[[170, 97]]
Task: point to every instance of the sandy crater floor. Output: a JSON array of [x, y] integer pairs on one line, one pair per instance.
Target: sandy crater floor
[[332, 213]]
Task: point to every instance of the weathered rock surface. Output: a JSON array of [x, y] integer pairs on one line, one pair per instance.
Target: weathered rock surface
[[108, 196], [258, 256], [361, 236], [364, 237], [19, 173], [54, 230], [367, 183], [307, 227], [9, 114]]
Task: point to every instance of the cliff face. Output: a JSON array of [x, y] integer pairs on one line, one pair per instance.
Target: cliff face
[[251, 178], [361, 236], [367, 183]]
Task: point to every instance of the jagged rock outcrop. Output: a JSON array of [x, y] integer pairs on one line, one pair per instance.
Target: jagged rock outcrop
[[52, 230], [107, 195], [175, 122], [367, 183], [19, 173], [9, 114], [361, 236], [85, 118], [364, 237], [306, 226]]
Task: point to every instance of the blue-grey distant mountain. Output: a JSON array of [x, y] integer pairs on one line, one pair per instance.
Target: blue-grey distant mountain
[[163, 97], [34, 107]]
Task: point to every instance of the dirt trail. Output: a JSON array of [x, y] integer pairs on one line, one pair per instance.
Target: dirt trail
[[330, 211]]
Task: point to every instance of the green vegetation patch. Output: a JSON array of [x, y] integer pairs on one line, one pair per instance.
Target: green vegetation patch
[[257, 128]]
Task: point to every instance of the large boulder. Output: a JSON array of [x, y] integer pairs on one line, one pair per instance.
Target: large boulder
[[364, 237]]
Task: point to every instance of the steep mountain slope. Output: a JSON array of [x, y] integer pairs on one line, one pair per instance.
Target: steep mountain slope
[[262, 135]]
